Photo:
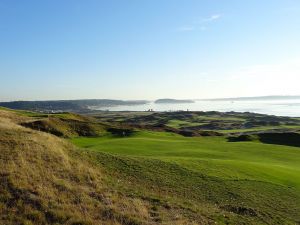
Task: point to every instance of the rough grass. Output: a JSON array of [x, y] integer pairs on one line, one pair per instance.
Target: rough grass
[[66, 127], [60, 124], [225, 123], [180, 123]]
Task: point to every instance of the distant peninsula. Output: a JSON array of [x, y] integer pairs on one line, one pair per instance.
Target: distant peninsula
[[83, 105], [172, 101]]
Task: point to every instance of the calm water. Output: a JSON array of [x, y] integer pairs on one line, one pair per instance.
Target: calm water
[[279, 108]]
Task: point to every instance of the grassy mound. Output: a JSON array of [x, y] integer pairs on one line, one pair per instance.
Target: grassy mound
[[66, 127], [60, 124], [38, 178]]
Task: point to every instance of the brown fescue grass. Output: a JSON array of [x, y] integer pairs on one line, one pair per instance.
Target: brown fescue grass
[[45, 180]]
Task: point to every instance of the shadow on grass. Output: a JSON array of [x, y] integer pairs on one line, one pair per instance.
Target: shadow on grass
[[288, 139]]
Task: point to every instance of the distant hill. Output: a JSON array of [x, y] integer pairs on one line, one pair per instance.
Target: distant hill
[[172, 101], [257, 98], [68, 105]]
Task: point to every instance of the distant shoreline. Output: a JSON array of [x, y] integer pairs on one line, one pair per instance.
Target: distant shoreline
[[258, 98]]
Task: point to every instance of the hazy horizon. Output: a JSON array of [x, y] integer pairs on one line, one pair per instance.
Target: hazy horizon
[[128, 50], [276, 97]]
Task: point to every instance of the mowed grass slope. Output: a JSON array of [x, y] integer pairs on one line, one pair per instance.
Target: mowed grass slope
[[264, 161], [255, 182]]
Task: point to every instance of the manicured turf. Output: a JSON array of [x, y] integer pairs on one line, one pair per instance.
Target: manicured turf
[[209, 170], [212, 155]]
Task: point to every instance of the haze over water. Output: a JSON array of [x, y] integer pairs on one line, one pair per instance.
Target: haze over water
[[275, 107]]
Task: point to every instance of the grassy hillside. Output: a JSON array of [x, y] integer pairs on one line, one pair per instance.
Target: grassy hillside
[[123, 176], [60, 124], [250, 180], [46, 180]]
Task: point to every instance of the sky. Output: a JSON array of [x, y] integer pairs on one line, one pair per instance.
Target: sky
[[148, 49]]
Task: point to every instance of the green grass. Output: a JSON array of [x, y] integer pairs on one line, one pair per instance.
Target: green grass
[[221, 118], [251, 160], [182, 123], [265, 178]]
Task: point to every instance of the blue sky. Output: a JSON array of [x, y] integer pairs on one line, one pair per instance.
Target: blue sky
[[148, 49]]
